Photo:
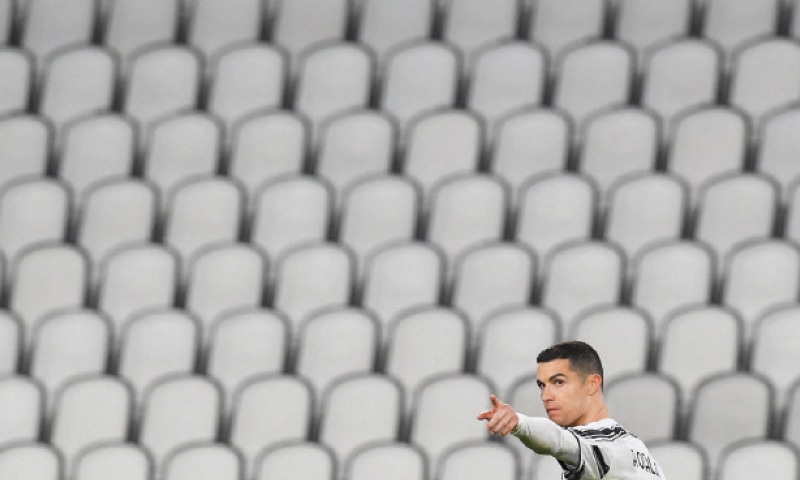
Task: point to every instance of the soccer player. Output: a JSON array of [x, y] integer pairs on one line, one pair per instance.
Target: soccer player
[[580, 433]]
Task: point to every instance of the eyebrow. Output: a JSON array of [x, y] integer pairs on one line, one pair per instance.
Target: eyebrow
[[551, 379]]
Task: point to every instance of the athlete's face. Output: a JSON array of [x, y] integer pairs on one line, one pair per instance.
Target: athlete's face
[[564, 393]]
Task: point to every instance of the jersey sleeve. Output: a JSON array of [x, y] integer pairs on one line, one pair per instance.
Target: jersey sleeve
[[545, 437]]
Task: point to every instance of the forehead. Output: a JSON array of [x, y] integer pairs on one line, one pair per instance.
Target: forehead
[[560, 366]]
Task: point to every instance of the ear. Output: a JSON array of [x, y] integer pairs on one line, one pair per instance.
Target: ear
[[595, 383]]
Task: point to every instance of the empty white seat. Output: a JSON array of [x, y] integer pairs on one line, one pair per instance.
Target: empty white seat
[[385, 24], [790, 428], [300, 25], [203, 461], [11, 346], [555, 209], [31, 460], [23, 413], [680, 75], [730, 23], [120, 460], [63, 99], [162, 80], [418, 78], [479, 459], [644, 209], [582, 275], [765, 77], [530, 143], [322, 361], [467, 210], [114, 213], [748, 459], [136, 278], [472, 24], [180, 147], [50, 24], [7, 12], [778, 149], [644, 24], [408, 462], [16, 67], [558, 24], [680, 459], [670, 275], [27, 141], [505, 78], [265, 146], [132, 25], [213, 26], [97, 148], [647, 404], [773, 353], [246, 78], [441, 144], [202, 212], [307, 460], [492, 276], [593, 77]]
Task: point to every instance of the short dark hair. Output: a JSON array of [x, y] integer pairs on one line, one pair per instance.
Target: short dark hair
[[582, 357]]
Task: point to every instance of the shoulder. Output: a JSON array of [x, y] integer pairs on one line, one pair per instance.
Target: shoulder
[[604, 430]]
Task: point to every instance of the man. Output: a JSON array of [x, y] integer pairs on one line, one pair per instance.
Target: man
[[580, 433]]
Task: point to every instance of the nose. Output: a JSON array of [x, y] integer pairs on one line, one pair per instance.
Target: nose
[[546, 393]]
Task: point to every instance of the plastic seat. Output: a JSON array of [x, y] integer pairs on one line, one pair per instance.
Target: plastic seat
[[222, 278], [600, 328], [423, 343], [345, 429], [492, 276], [312, 277], [730, 23], [559, 25], [90, 410], [384, 25], [401, 276], [162, 80], [408, 462], [307, 460], [27, 140], [246, 78], [683, 337], [114, 213], [442, 144], [7, 12], [476, 460], [16, 67], [11, 347], [33, 211], [581, 275], [377, 211], [24, 412], [419, 78], [792, 215], [715, 423], [790, 419], [505, 78], [465, 211], [333, 79], [69, 344], [473, 24], [181, 147], [48, 278], [775, 157], [96, 149], [707, 142], [135, 25], [644, 25], [31, 460], [733, 209], [659, 421], [177, 410], [254, 427], [244, 343], [62, 99], [680, 459], [322, 361], [123, 461], [508, 343], [440, 407], [300, 25], [765, 77], [680, 75], [50, 24], [291, 211], [343, 162], [265, 146], [202, 212], [670, 275], [155, 345], [773, 350], [645, 209], [136, 278], [771, 458], [758, 276], [593, 77], [554, 210], [528, 144], [213, 26], [619, 143], [203, 461]]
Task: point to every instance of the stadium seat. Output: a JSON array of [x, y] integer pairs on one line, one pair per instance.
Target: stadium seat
[[7, 12], [680, 459], [777, 150], [322, 361], [121, 460], [771, 458], [50, 25], [31, 460], [473, 24], [773, 353], [28, 142], [23, 415], [307, 460], [731, 23], [11, 347], [646, 24], [205, 460], [792, 218], [300, 25], [384, 25], [477, 460], [408, 462], [789, 430], [131, 26], [16, 67], [212, 26], [559, 25], [626, 395]]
